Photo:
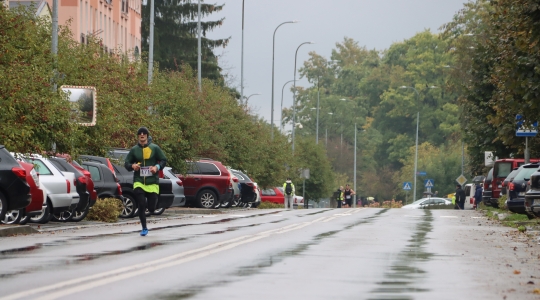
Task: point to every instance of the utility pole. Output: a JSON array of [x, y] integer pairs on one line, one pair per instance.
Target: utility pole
[[199, 57], [151, 50], [54, 41]]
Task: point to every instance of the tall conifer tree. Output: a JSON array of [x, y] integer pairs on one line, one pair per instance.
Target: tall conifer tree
[[175, 35]]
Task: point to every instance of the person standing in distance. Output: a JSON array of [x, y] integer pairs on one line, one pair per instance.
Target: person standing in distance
[[288, 191], [145, 159], [339, 200], [460, 197]]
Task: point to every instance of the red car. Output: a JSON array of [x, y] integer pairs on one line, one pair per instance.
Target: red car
[[207, 183], [274, 195], [22, 216]]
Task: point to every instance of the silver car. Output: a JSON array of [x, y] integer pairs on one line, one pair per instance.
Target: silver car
[[177, 187]]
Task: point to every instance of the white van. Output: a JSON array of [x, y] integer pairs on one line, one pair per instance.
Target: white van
[[470, 189]]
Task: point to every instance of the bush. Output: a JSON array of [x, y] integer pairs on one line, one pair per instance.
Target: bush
[[392, 204], [270, 205], [502, 202], [105, 210]]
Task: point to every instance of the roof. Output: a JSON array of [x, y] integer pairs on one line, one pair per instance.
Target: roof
[[39, 6]]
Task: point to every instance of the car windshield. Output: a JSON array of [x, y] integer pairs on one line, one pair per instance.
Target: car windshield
[[419, 201], [525, 173], [502, 169]]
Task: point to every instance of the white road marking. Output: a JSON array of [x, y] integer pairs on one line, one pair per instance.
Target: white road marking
[[478, 217], [88, 282]]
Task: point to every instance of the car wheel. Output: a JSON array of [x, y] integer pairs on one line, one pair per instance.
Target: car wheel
[[3, 206], [80, 215], [255, 205], [63, 216], [43, 217], [207, 199], [159, 211], [129, 207], [12, 216]]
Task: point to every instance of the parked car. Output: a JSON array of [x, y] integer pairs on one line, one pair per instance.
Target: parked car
[[504, 185], [518, 186], [247, 188], [206, 183], [427, 203], [177, 187], [22, 216], [125, 179], [14, 190], [532, 196], [470, 190], [98, 159], [501, 169], [274, 195], [62, 195], [82, 185], [105, 182], [234, 200], [486, 192]]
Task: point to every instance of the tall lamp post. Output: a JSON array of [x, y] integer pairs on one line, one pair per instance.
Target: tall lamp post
[[273, 50], [416, 144], [294, 91], [282, 102], [416, 147]]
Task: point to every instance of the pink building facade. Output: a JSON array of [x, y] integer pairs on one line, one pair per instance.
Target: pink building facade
[[117, 23]]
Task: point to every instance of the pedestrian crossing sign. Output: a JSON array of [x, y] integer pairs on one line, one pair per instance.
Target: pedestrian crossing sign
[[407, 186], [429, 183]]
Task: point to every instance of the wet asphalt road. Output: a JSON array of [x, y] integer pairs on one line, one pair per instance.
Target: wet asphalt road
[[268, 254]]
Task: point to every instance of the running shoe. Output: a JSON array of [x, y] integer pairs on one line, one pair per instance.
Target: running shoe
[[144, 232]]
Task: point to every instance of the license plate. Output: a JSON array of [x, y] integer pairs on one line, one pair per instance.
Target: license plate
[[521, 194], [536, 202], [145, 172]]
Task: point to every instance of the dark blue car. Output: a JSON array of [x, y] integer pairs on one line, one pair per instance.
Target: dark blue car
[[518, 186]]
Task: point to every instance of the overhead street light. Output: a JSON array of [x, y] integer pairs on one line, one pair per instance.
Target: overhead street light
[[282, 103], [250, 97], [294, 90], [273, 50]]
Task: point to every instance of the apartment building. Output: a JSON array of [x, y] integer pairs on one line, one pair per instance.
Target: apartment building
[[117, 23]]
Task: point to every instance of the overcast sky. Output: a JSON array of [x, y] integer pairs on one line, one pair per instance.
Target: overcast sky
[[375, 24]]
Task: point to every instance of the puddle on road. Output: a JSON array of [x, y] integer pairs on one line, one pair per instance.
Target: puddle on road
[[315, 213], [263, 264], [402, 277]]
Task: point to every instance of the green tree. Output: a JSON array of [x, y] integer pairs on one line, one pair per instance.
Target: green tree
[[175, 36]]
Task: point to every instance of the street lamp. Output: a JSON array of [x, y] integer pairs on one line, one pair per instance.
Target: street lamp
[[282, 102], [416, 144], [273, 49], [294, 91], [250, 96]]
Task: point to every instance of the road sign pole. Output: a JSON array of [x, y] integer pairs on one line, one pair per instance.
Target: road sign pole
[[527, 155]]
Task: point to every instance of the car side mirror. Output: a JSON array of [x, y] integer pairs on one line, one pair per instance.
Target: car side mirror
[[526, 179]]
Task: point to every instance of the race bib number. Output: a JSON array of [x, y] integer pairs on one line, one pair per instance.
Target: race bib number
[[145, 172], [348, 197]]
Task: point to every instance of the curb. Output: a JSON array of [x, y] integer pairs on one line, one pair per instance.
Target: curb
[[202, 211], [15, 230]]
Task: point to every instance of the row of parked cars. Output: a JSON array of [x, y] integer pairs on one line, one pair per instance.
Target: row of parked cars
[[520, 183], [37, 189]]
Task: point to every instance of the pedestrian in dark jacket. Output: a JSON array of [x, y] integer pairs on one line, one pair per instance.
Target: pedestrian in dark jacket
[[477, 196], [460, 197]]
